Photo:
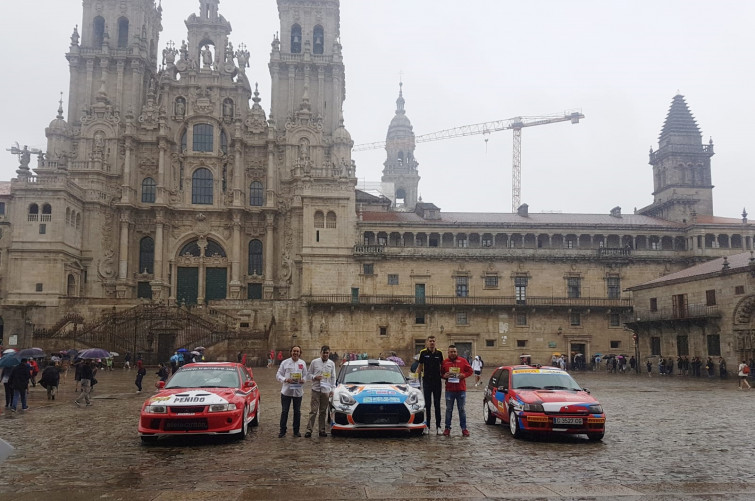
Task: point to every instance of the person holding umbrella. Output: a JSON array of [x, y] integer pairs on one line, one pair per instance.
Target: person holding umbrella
[[7, 362]]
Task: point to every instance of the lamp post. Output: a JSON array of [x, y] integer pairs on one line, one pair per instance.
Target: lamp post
[[636, 348]]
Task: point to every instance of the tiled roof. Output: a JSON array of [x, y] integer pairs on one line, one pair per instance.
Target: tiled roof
[[736, 262], [533, 219]]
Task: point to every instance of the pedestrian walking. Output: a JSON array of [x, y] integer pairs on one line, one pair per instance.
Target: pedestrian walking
[[140, 373], [127, 362], [649, 365], [744, 372], [430, 362], [5, 377], [162, 372], [722, 372], [270, 358], [19, 379], [291, 374], [34, 371], [87, 375], [455, 370], [50, 380], [477, 368], [322, 372]]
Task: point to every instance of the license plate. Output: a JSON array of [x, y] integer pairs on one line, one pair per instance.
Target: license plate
[[567, 420]]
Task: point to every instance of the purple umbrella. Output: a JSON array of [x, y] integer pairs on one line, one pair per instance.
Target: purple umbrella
[[94, 353], [31, 353], [399, 361]]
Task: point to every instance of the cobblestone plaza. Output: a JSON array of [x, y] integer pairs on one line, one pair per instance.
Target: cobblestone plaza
[[667, 438]]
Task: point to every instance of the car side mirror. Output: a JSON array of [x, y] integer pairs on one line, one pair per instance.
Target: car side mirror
[[160, 385], [502, 389], [248, 385], [586, 390]]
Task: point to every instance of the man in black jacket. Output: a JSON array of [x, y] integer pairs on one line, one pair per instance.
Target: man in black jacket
[[86, 383], [19, 381]]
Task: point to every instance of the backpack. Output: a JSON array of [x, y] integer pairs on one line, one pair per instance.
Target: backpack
[[746, 369]]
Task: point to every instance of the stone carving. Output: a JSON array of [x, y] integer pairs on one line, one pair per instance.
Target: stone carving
[[75, 36], [203, 103], [180, 107], [106, 267], [242, 56], [228, 109], [206, 57], [169, 54]]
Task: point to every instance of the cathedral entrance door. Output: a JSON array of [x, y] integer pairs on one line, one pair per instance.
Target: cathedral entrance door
[[216, 283], [187, 286]]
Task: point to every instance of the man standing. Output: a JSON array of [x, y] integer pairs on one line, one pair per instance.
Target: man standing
[[456, 370], [87, 374], [291, 374], [430, 361], [477, 368], [19, 379], [322, 371]]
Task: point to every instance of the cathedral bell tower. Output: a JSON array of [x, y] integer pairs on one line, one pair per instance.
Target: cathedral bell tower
[[401, 166], [682, 184], [114, 59], [208, 37]]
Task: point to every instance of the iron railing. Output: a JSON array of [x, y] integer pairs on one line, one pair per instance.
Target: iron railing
[[581, 302]]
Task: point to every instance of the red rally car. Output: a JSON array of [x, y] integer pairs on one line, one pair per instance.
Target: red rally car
[[216, 398], [541, 399]]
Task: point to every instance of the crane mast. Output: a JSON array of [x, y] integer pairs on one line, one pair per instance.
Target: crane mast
[[515, 124]]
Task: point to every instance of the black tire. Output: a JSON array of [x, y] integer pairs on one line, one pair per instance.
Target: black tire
[[488, 416], [414, 433], [244, 424], [148, 439], [514, 428], [256, 420], [595, 437]]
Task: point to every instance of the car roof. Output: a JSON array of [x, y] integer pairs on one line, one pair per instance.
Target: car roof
[[520, 367], [371, 362], [210, 365]]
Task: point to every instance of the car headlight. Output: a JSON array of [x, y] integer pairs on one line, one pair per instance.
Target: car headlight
[[413, 398], [346, 399], [595, 409], [221, 407], [533, 408], [156, 409]]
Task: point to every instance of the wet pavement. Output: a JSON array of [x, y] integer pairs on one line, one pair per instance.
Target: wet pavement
[[666, 438]]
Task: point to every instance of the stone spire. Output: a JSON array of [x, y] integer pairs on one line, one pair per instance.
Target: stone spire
[[679, 122]]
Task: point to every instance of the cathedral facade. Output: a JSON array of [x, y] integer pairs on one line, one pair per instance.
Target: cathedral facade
[[169, 184]]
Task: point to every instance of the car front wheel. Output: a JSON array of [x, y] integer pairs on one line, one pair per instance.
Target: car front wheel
[[514, 428], [488, 416], [595, 437], [149, 439], [244, 424]]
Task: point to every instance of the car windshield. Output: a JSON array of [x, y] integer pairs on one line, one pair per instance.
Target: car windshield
[[544, 381], [373, 374], [205, 377]]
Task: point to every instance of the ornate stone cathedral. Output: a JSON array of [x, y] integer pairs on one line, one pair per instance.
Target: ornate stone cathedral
[[169, 191]]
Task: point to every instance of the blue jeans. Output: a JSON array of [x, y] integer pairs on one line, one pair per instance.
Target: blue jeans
[[19, 394], [285, 405], [460, 397]]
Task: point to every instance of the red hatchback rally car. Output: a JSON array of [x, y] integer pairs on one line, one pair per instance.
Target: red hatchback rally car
[[541, 400], [210, 398]]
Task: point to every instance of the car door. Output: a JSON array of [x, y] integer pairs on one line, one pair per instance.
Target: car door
[[501, 395], [490, 391]]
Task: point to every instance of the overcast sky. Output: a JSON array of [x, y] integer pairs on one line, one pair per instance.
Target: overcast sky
[[619, 62]]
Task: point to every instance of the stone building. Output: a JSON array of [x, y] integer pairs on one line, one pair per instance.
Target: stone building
[[705, 310], [170, 187]]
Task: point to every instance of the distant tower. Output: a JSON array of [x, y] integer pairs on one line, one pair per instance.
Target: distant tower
[[681, 168], [401, 166], [117, 57]]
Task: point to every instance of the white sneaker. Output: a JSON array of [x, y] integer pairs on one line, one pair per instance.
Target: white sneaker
[[426, 431], [438, 431]]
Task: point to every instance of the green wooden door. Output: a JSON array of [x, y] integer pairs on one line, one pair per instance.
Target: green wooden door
[[215, 284], [187, 286]]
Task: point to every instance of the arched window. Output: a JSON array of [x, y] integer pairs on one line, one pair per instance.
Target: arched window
[[46, 209], [149, 190], [203, 136], [201, 187], [122, 33], [147, 255], [318, 40], [214, 249], [34, 209], [255, 258], [191, 249], [330, 220], [256, 197], [296, 39], [319, 219], [71, 286], [99, 32]]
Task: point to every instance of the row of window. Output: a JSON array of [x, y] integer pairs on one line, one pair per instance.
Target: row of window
[[202, 189], [680, 304], [325, 221], [490, 281], [73, 218], [147, 254], [521, 319], [99, 32], [713, 342]]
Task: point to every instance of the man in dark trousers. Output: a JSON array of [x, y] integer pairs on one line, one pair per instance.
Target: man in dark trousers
[[430, 361], [19, 379]]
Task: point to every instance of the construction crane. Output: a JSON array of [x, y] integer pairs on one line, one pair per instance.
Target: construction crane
[[516, 124]]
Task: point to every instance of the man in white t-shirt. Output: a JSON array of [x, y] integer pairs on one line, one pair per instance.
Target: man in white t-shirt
[[291, 373], [322, 372]]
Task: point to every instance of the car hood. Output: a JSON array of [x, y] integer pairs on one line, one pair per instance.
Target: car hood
[[377, 393], [558, 400], [186, 396]]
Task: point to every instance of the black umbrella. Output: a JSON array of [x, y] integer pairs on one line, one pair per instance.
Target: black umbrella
[[31, 353]]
